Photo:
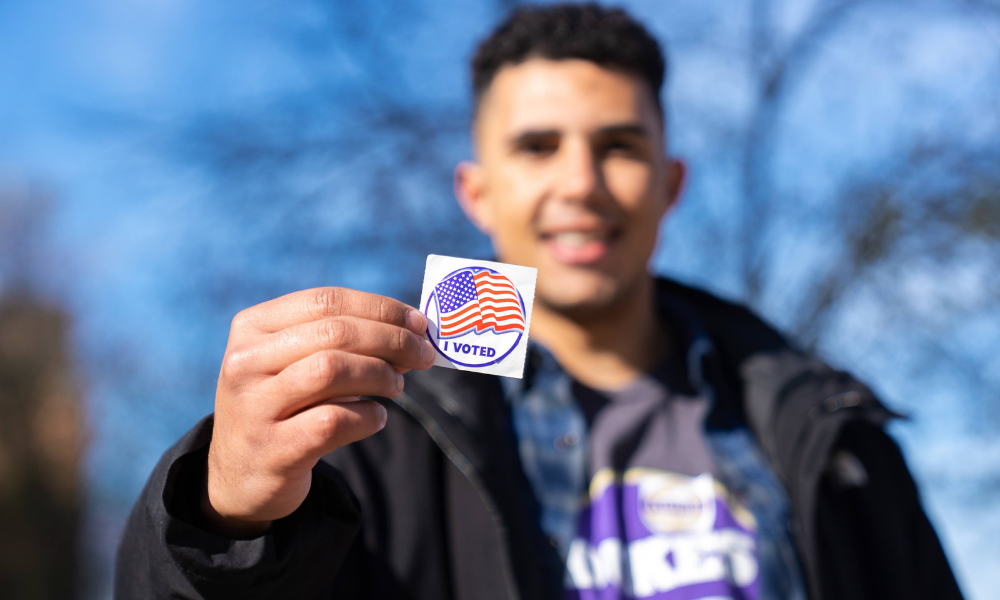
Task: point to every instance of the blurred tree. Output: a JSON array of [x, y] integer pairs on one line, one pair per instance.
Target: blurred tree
[[41, 425], [866, 216], [935, 207], [373, 147]]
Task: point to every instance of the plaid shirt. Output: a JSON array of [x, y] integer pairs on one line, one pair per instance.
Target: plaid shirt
[[553, 441]]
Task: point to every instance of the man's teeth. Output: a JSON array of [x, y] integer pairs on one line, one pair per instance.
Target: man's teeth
[[576, 238]]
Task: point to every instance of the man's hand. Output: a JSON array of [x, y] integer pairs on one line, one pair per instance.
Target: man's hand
[[288, 394]]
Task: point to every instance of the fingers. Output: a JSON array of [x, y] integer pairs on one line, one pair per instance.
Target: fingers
[[289, 386], [329, 374], [321, 303], [325, 427], [398, 346]]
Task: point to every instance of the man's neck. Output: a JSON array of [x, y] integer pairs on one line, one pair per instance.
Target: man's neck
[[610, 349]]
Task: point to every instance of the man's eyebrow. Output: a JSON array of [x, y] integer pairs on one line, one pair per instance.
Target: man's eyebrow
[[619, 129], [533, 134], [625, 129]]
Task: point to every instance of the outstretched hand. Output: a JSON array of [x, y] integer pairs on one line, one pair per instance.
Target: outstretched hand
[[289, 392]]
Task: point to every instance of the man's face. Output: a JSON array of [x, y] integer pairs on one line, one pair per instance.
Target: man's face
[[572, 178]]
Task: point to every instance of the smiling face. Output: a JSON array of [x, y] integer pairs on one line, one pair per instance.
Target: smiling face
[[572, 178]]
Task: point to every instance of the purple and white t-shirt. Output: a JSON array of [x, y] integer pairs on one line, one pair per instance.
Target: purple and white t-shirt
[[649, 533], [656, 522]]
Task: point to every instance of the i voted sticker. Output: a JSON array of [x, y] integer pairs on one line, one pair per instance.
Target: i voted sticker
[[478, 313]]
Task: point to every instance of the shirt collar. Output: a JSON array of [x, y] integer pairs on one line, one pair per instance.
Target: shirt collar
[[690, 335]]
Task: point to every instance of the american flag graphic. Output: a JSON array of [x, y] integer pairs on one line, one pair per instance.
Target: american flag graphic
[[482, 300]]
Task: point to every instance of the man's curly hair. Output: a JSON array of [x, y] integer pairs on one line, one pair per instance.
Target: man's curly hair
[[608, 37]]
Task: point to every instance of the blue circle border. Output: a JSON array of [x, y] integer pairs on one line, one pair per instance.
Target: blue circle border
[[524, 311]]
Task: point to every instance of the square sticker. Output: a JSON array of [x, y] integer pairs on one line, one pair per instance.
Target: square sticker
[[478, 313]]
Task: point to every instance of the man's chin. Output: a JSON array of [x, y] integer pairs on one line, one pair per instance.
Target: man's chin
[[580, 299]]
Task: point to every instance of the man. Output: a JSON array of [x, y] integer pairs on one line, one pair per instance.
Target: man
[[663, 443]]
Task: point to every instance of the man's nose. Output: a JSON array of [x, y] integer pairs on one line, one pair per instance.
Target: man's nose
[[579, 172]]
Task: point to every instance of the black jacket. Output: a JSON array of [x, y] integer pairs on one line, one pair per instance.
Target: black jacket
[[436, 506]]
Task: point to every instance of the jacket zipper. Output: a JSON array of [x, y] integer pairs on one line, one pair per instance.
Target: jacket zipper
[[465, 466]]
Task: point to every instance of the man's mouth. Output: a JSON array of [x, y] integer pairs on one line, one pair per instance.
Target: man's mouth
[[579, 247]]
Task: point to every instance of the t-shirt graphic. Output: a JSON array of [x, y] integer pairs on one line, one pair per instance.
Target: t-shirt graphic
[[657, 522], [649, 533]]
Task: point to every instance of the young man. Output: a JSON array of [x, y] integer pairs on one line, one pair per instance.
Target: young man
[[663, 443]]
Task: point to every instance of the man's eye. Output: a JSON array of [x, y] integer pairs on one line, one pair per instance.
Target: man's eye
[[538, 148], [618, 146]]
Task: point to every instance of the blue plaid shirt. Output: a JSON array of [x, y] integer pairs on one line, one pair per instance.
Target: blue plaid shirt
[[552, 435]]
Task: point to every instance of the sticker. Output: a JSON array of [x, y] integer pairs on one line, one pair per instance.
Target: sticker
[[478, 313]]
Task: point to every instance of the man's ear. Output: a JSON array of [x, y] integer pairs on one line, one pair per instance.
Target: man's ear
[[676, 180], [470, 192]]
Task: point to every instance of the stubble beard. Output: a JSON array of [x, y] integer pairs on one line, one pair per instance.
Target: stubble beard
[[606, 302]]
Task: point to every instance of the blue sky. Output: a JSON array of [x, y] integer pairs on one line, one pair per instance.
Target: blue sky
[[99, 100]]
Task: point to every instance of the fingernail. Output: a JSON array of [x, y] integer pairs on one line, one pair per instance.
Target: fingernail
[[385, 415], [399, 383], [426, 351], [415, 321]]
